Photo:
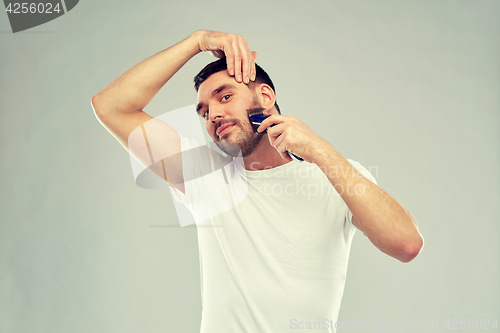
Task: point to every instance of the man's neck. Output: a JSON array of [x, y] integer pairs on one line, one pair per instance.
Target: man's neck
[[263, 157]]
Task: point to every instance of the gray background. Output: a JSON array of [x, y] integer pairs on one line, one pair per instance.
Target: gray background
[[410, 87]]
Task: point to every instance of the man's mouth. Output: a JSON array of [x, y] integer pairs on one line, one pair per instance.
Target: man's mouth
[[223, 129]]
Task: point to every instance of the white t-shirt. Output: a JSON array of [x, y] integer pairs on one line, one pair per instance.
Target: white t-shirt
[[274, 246]]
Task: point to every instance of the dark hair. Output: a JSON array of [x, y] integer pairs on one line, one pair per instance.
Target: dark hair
[[221, 65]]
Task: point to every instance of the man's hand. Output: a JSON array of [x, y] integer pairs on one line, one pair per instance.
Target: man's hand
[[292, 135], [240, 59]]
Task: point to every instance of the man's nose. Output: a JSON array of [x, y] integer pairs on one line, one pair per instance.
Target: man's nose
[[216, 112]]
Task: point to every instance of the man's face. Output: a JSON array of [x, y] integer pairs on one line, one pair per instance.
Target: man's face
[[225, 104]]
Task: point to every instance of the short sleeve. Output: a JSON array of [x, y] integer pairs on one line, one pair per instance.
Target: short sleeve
[[211, 183]]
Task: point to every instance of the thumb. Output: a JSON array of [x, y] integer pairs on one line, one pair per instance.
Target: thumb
[[218, 53]]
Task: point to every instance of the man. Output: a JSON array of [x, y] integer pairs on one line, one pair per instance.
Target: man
[[275, 259]]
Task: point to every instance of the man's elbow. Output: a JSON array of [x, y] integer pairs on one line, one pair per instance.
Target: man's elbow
[[97, 104], [411, 248]]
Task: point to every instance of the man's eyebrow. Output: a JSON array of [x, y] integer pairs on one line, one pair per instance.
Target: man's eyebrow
[[199, 107], [223, 87], [214, 92]]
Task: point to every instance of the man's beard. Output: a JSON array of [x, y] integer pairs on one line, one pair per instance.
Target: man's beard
[[247, 138]]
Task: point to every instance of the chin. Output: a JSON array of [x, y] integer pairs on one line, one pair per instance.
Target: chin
[[230, 148]]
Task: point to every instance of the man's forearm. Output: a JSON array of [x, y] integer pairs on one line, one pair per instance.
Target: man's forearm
[[133, 90], [388, 225]]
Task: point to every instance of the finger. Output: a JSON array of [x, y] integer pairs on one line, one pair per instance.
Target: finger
[[237, 61], [276, 130], [277, 139], [246, 59], [245, 68], [271, 120], [217, 53], [283, 151], [253, 71], [229, 52]]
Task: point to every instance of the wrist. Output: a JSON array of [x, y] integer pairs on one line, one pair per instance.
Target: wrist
[[326, 155], [196, 38]]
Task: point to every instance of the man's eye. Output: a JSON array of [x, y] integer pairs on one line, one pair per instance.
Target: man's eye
[[225, 97], [205, 114]]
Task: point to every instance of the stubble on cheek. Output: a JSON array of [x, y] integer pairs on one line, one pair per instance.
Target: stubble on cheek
[[243, 135], [241, 139]]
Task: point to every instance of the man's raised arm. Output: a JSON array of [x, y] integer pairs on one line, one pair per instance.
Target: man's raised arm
[[119, 107]]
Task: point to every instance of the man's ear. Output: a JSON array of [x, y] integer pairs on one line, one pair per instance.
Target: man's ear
[[265, 95]]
